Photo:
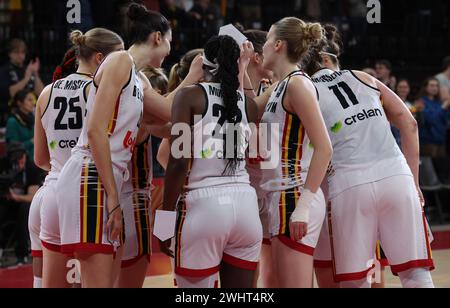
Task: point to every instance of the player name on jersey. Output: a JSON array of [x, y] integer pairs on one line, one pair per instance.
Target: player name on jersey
[[218, 93], [72, 85]]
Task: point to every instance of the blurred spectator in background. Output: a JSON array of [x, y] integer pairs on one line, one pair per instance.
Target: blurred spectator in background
[[357, 10], [370, 71], [403, 90], [15, 76], [206, 19], [15, 199], [433, 129], [444, 80], [177, 17], [383, 69], [20, 124], [250, 13]]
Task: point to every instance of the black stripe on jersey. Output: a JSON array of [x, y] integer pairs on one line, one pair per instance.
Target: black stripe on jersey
[[141, 153], [83, 74], [142, 204], [293, 146], [129, 79], [92, 203], [84, 91], [290, 208], [206, 100], [295, 73], [367, 85], [49, 99], [284, 94]]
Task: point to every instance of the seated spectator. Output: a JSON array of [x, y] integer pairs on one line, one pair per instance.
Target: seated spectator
[[383, 69], [15, 76], [20, 124], [435, 115], [16, 196], [403, 90], [444, 80]]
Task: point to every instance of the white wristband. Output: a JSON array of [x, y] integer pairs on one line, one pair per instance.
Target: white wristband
[[301, 213]]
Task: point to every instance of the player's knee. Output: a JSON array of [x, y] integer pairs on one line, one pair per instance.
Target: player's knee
[[416, 278], [196, 283], [356, 284]]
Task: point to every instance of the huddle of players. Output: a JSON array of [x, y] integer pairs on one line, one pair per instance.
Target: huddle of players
[[94, 205]]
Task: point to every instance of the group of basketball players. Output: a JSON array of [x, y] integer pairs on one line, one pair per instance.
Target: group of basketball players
[[233, 212]]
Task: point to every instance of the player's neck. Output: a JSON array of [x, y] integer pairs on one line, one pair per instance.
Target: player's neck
[[255, 76], [282, 71], [86, 68], [140, 57]]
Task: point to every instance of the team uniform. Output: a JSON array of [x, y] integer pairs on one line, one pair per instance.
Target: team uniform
[[284, 177], [218, 218], [80, 195], [62, 121], [135, 199], [322, 254], [255, 173], [372, 194]]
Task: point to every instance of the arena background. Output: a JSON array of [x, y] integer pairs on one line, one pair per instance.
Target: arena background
[[414, 36]]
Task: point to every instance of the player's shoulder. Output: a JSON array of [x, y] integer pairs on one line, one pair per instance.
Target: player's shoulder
[[118, 60]]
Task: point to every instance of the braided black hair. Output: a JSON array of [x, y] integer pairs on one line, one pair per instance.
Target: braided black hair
[[68, 65], [224, 51]]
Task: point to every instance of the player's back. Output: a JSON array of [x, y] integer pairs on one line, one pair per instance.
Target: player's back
[[64, 117], [364, 147], [208, 167]]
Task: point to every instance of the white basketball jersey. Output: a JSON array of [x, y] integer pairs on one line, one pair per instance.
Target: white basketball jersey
[[124, 124], [290, 149], [140, 169], [64, 117], [208, 167], [365, 150]]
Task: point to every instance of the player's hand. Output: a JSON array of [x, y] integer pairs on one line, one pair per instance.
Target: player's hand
[[247, 52], [298, 230], [420, 105], [165, 248], [29, 71], [115, 219], [196, 73], [36, 66]]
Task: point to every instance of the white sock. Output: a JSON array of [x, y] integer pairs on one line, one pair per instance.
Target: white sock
[[416, 278], [356, 284], [37, 283]]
